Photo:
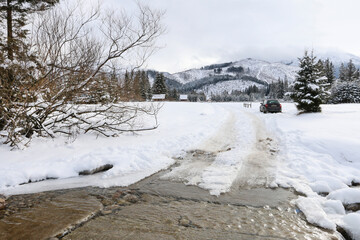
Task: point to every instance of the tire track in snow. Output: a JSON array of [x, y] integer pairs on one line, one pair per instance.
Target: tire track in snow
[[259, 168], [190, 168], [241, 154]]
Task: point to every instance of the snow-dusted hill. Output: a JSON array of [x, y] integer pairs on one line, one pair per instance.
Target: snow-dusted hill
[[262, 70], [239, 75], [267, 71], [228, 86], [336, 57]]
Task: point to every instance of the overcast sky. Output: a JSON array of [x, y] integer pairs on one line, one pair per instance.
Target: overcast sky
[[201, 32]]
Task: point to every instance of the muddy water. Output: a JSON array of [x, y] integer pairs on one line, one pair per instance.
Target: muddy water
[[169, 209], [49, 217], [169, 218]]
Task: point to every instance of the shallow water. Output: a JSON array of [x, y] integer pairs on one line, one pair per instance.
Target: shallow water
[[167, 205], [169, 218]]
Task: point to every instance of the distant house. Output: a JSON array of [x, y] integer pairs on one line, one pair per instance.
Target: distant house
[[183, 97], [158, 97]]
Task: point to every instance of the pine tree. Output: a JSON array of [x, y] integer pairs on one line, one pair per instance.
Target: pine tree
[[136, 86], [309, 85], [321, 66], [173, 95], [159, 86], [357, 74], [18, 66], [348, 73], [346, 92], [145, 86], [329, 71], [126, 91]]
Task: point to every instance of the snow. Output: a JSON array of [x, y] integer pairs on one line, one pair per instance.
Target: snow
[[220, 175], [312, 208], [267, 71], [227, 86], [134, 157], [351, 225], [319, 155], [262, 70], [346, 195]]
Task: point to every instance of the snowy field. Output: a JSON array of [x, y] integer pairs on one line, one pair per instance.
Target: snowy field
[[319, 155]]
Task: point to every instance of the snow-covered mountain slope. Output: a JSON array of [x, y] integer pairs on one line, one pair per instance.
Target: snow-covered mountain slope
[[267, 71], [239, 75], [336, 57], [340, 57], [262, 70], [228, 86], [191, 75]]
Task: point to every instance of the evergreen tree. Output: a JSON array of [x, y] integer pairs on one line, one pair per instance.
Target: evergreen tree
[[173, 95], [15, 13], [321, 66], [309, 85], [159, 86], [329, 71], [18, 65], [357, 74], [348, 73], [145, 89], [126, 86], [136, 86], [342, 72], [346, 92]]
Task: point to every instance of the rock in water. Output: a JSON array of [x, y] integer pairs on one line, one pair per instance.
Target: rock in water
[[96, 170]]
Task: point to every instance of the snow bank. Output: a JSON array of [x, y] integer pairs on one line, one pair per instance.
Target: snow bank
[[182, 127]]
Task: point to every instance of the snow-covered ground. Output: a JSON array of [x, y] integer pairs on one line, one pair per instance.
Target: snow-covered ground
[[182, 127], [318, 155]]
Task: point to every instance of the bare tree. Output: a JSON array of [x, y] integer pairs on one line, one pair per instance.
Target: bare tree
[[76, 48]]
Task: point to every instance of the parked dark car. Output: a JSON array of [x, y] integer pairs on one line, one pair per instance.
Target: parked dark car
[[270, 105]]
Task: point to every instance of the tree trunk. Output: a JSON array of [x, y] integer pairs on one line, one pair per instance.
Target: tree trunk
[[9, 30]]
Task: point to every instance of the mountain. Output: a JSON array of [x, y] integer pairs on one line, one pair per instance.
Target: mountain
[[239, 75], [336, 57], [262, 70]]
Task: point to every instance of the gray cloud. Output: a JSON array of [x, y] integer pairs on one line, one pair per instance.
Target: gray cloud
[[207, 31]]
